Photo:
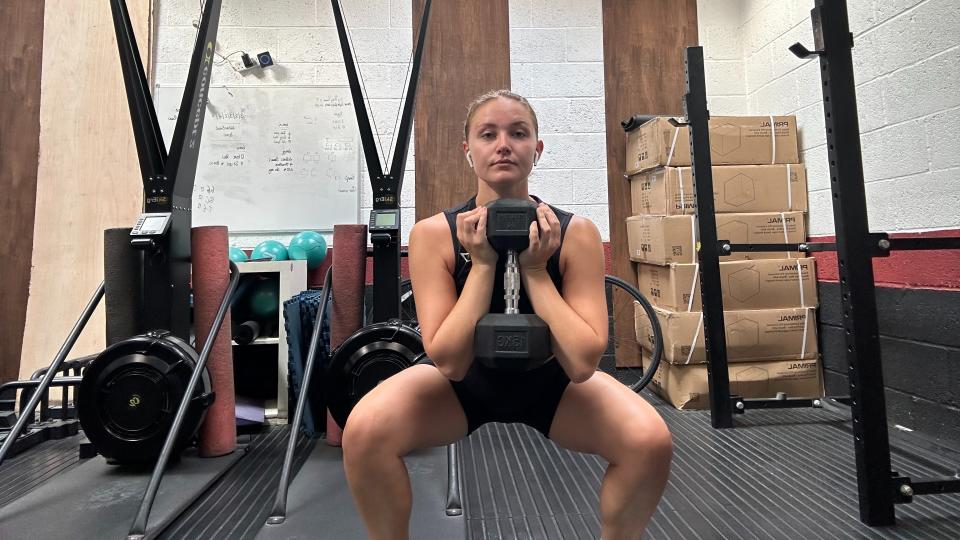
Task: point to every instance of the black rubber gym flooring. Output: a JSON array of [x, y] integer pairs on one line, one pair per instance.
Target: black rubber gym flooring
[[24, 472], [239, 504], [785, 474]]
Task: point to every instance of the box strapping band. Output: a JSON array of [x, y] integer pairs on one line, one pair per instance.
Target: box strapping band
[[683, 198], [693, 237], [803, 301], [806, 325], [786, 240], [693, 286], [773, 142], [673, 145], [789, 190], [696, 335]]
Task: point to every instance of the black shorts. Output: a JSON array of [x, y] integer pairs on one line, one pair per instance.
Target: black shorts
[[531, 397]]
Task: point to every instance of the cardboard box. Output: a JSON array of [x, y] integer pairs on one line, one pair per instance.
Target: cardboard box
[[686, 387], [672, 239], [734, 140], [752, 335], [769, 284], [736, 188]]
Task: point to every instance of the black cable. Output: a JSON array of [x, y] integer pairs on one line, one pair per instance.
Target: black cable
[[366, 95], [650, 370]]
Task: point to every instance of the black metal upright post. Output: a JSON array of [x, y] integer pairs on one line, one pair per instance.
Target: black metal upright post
[[834, 43], [879, 488], [698, 118]]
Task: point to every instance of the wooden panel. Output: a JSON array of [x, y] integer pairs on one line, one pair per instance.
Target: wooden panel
[[643, 47], [466, 54], [88, 177], [22, 43]]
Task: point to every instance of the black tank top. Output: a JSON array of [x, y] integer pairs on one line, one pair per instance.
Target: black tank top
[[463, 264]]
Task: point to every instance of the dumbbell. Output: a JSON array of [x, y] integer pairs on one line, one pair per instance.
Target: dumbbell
[[511, 341]]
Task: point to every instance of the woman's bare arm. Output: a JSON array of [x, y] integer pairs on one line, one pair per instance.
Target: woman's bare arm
[[446, 322], [578, 319]]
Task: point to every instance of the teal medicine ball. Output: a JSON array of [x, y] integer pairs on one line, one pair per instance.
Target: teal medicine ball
[[264, 299], [269, 249], [308, 246], [237, 255]]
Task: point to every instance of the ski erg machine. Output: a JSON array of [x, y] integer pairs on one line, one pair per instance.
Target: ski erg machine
[[387, 346], [126, 396]]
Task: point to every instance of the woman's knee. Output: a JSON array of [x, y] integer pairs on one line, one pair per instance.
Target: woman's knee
[[368, 432], [646, 439], [413, 409]]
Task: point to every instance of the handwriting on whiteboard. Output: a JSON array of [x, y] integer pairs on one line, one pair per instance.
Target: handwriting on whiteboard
[[203, 198], [273, 158]]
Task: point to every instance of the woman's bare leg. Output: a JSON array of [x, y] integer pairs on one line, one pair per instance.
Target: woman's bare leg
[[415, 408], [602, 416]]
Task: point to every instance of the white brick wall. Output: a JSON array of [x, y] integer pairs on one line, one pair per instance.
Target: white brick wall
[[719, 24], [907, 69], [556, 60]]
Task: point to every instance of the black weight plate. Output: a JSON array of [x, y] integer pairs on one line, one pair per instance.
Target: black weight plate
[[364, 360]]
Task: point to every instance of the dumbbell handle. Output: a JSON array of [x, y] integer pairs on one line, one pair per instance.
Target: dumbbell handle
[[511, 284]]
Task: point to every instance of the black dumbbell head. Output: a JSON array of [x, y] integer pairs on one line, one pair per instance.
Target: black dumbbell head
[[512, 342], [508, 223]]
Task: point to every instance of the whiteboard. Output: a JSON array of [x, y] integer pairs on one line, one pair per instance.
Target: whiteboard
[[273, 158]]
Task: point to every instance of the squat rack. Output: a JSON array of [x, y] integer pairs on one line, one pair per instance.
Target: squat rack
[[879, 488]]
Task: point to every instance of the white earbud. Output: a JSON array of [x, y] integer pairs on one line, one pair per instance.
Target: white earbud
[[536, 158], [470, 159]]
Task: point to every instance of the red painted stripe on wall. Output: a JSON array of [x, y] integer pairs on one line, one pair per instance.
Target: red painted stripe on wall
[[935, 269]]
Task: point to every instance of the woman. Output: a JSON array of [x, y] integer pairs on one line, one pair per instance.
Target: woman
[[441, 401]]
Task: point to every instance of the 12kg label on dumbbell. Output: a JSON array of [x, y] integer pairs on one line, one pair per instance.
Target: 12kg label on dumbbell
[[511, 342]]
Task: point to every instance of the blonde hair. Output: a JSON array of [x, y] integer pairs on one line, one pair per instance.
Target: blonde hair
[[491, 95]]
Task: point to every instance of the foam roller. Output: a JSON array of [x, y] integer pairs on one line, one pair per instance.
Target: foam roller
[[122, 272], [211, 277], [346, 308]]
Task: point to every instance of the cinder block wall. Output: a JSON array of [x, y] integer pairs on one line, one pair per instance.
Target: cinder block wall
[[556, 61], [906, 58], [720, 26]]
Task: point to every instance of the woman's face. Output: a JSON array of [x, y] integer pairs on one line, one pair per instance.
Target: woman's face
[[502, 142]]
